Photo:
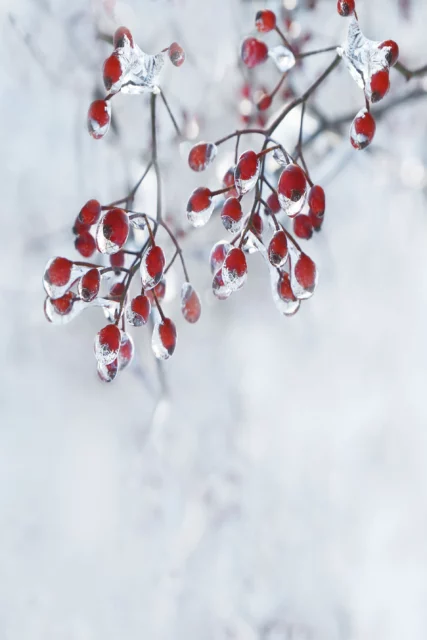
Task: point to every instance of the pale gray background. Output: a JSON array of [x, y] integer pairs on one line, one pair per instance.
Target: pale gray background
[[283, 485]]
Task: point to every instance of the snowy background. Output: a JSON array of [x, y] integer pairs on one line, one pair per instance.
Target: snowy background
[[281, 491]]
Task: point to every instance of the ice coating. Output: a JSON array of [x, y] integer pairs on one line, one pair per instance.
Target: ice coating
[[301, 289], [362, 57], [219, 288], [60, 314], [152, 266], [280, 157], [243, 186], [200, 218], [107, 372], [126, 350], [141, 71], [138, 221], [53, 286], [163, 340], [112, 231], [286, 306], [107, 344], [217, 255], [282, 57]]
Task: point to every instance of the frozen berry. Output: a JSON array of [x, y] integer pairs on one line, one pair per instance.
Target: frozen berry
[[292, 183], [176, 54], [273, 203], [303, 227], [112, 72], [112, 231], [202, 155], [122, 37], [152, 266], [265, 21], [85, 244], [190, 303], [253, 52], [107, 344], [379, 85], [138, 311], [346, 7], [90, 213], [316, 200], [89, 285], [392, 54], [59, 271], [99, 118], [231, 214], [164, 339], [278, 249], [362, 129]]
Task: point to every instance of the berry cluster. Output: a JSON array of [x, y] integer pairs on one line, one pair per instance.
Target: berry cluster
[[128, 70], [369, 63], [293, 274], [114, 232]]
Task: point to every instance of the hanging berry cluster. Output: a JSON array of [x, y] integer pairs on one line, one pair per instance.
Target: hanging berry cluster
[[261, 226], [108, 231]]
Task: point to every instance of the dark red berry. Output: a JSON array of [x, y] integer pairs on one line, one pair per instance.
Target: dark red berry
[[265, 21], [316, 200], [64, 304], [113, 231], [202, 155], [392, 54], [107, 344], [305, 272], [167, 335], [292, 183], [253, 52], [140, 308], [112, 70], [247, 166], [231, 214], [117, 260], [278, 249], [362, 130], [121, 35], [79, 227], [273, 203], [379, 85], [89, 285], [99, 118], [303, 227], [284, 288], [154, 261], [346, 7], [316, 221], [118, 290], [59, 271], [234, 268], [85, 244], [90, 213]]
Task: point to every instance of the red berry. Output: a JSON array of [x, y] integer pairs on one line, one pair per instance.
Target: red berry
[[138, 311], [362, 130], [257, 224], [253, 52], [176, 54], [199, 207], [64, 304], [121, 35], [159, 291], [164, 339], [264, 102], [90, 213], [316, 222], [265, 21], [89, 285], [126, 351], [117, 260], [246, 172], [107, 344], [278, 249], [228, 181], [218, 254], [202, 155], [273, 203], [284, 288], [190, 303], [59, 271], [303, 227], [379, 85], [231, 214], [85, 244], [79, 227], [99, 118], [292, 183], [305, 272], [152, 266], [112, 231], [234, 269], [112, 71], [316, 201], [346, 7], [392, 54], [118, 290]]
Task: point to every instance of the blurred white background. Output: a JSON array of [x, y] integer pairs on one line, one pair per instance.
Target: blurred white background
[[281, 491]]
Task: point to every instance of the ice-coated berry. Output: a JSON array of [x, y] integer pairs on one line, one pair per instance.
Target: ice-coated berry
[[99, 118], [112, 72], [85, 244], [303, 227], [138, 311], [89, 285], [362, 129], [234, 269], [112, 231], [265, 21], [90, 213], [164, 339], [176, 54], [316, 200], [200, 207], [231, 214], [152, 266], [107, 344], [253, 52], [190, 303], [278, 249], [122, 37], [202, 155], [392, 54], [346, 7]]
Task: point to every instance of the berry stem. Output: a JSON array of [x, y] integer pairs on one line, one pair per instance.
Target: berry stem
[[285, 40], [300, 56], [240, 132], [159, 308], [407, 73], [174, 122], [154, 157]]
